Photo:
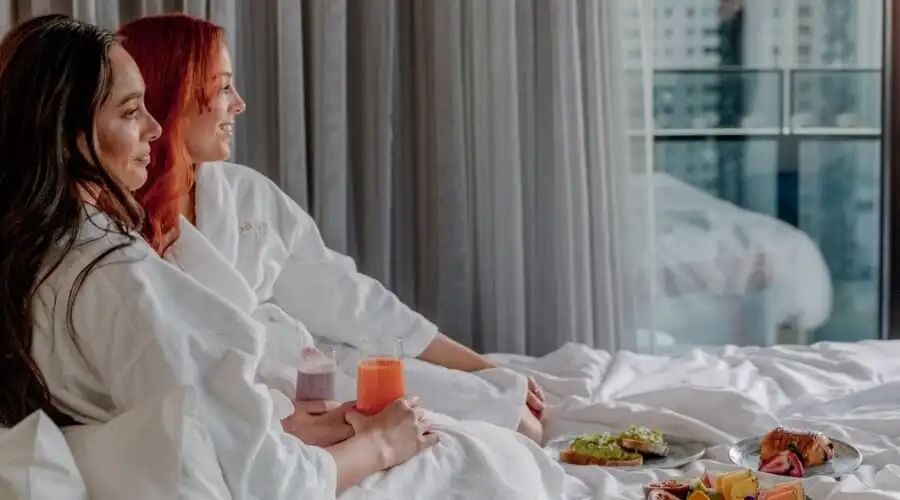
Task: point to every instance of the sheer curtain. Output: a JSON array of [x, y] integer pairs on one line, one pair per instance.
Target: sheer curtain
[[487, 160], [526, 213]]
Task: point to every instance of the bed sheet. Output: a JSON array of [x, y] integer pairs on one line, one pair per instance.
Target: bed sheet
[[850, 391]]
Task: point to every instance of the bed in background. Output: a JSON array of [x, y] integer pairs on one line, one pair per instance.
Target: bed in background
[[726, 275]]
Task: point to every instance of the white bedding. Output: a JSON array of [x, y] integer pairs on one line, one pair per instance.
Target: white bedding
[[850, 391], [720, 268], [847, 390]]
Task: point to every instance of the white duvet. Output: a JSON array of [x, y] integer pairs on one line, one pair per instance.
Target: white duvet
[[850, 391]]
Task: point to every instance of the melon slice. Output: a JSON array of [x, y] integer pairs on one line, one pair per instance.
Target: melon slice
[[784, 491]]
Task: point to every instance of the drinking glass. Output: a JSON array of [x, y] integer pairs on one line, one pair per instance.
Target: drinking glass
[[379, 374], [316, 374]]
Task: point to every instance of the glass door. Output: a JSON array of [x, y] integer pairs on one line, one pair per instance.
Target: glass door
[[768, 171]]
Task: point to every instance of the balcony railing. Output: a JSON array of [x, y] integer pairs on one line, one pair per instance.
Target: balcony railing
[[735, 123], [723, 102]]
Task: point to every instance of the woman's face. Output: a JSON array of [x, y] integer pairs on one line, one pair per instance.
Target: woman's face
[[123, 129], [208, 132]]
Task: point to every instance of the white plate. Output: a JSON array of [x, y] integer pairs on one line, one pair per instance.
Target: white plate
[[846, 458], [681, 453]]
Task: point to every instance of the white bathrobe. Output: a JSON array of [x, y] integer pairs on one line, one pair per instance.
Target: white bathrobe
[[275, 245], [143, 329]]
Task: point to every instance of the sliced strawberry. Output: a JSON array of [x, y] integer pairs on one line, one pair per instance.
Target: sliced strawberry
[[793, 447], [709, 481], [661, 495], [673, 486], [796, 465], [779, 464]]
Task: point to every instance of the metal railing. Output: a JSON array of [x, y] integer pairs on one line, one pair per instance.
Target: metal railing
[[751, 83], [779, 126]]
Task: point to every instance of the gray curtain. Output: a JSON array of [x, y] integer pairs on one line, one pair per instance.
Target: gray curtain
[[471, 154]]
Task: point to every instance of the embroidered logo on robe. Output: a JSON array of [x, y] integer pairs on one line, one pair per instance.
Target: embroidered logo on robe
[[253, 229]]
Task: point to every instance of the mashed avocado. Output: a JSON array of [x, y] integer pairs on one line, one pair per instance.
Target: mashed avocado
[[644, 434], [601, 446]]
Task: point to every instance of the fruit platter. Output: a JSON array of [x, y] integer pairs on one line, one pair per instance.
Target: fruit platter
[[737, 485]]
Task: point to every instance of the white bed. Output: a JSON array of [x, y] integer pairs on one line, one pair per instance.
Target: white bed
[[728, 275], [850, 391], [847, 390]]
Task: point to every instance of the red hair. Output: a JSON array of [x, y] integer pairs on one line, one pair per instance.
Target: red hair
[[178, 56]]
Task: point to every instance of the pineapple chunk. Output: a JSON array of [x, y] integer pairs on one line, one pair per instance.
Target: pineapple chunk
[[747, 487], [725, 481]]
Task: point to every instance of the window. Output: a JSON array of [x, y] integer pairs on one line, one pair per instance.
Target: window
[[796, 139]]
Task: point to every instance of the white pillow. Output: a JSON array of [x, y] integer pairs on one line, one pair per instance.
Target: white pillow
[[35, 462], [159, 449]]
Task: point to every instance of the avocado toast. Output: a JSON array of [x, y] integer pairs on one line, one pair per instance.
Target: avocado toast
[[644, 441], [599, 449]]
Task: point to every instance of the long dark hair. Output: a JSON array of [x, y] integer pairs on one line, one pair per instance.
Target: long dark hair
[[54, 75]]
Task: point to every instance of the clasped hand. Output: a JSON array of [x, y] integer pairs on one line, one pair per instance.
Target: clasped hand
[[399, 431], [320, 423]]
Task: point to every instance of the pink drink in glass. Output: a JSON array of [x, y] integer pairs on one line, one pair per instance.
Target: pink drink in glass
[[316, 375]]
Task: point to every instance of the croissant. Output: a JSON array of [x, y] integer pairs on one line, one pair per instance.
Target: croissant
[[814, 447]]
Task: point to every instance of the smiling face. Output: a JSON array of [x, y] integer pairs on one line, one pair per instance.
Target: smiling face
[[123, 128], [208, 132]]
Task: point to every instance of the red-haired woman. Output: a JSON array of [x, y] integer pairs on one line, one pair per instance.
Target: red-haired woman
[[202, 212]]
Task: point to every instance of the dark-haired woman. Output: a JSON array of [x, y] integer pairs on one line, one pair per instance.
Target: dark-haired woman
[[92, 321]]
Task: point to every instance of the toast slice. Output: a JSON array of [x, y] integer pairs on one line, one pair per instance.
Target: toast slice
[[645, 441], [570, 456], [644, 447]]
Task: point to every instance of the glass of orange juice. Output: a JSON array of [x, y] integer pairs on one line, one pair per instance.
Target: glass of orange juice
[[379, 374]]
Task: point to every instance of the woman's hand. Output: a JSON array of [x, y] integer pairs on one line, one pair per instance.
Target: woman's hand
[[535, 399], [400, 429], [319, 423], [531, 427]]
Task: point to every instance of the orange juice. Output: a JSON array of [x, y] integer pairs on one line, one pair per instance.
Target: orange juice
[[379, 383]]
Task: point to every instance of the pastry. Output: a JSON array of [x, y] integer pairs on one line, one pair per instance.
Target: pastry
[[812, 448]]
